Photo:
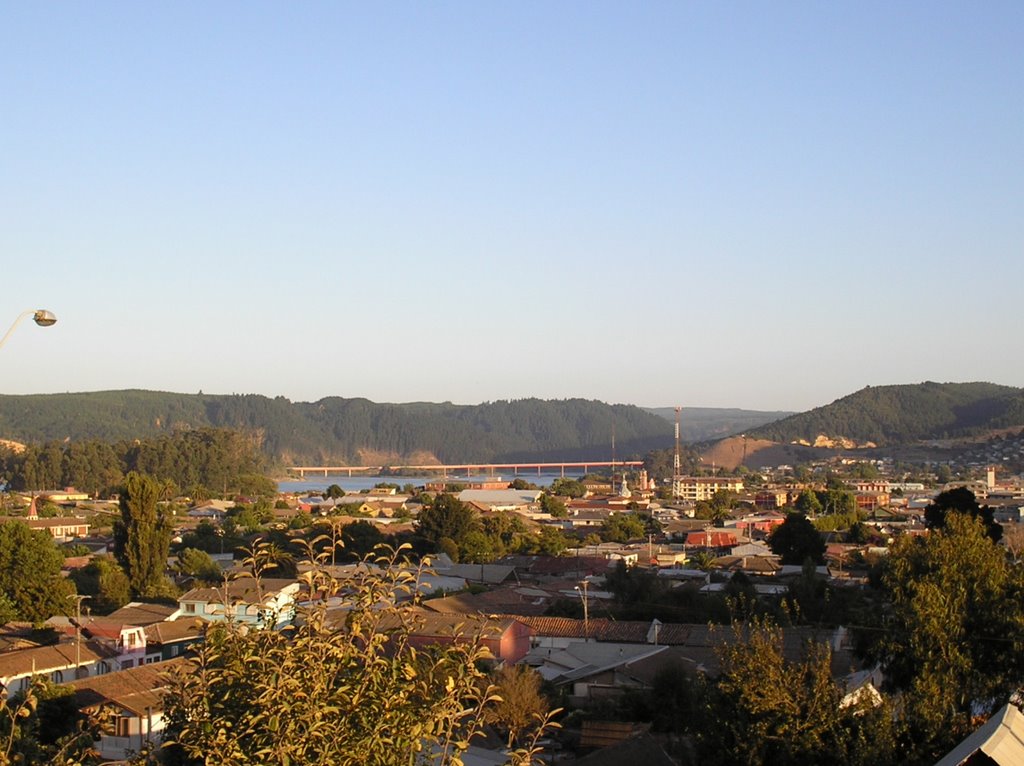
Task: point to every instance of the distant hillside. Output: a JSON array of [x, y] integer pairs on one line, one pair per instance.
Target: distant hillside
[[698, 424], [349, 431], [888, 415]]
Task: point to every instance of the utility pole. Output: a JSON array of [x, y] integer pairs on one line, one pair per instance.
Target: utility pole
[[78, 629], [586, 612]]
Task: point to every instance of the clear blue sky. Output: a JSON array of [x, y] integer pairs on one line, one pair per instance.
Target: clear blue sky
[[760, 205]]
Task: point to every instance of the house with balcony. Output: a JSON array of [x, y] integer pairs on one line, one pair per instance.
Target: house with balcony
[[131, 704], [127, 643]]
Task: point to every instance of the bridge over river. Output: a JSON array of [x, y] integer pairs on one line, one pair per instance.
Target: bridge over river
[[468, 468]]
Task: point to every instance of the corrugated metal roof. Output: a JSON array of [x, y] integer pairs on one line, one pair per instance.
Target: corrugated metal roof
[[1001, 738]]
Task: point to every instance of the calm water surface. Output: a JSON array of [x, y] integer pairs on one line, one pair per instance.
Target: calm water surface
[[359, 483]]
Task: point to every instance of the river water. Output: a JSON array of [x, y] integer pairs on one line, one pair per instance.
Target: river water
[[359, 483]]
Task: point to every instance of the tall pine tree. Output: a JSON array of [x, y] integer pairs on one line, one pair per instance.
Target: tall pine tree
[[142, 536]]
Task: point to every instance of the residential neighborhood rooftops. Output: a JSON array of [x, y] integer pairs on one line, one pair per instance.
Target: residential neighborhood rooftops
[[43, 659], [137, 613], [139, 690], [242, 589]]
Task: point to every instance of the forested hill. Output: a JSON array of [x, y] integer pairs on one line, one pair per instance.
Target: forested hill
[[888, 415], [348, 430]]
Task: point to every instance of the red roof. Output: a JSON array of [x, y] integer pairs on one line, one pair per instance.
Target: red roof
[[711, 539]]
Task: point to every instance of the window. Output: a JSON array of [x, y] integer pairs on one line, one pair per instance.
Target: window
[[190, 608]]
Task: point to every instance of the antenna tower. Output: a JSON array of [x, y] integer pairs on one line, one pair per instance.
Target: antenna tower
[[676, 463]]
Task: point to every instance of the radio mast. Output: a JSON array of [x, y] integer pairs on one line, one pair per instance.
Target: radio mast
[[676, 464]]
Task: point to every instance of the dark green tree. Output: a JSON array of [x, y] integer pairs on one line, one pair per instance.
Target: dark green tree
[[551, 541], [142, 536], [954, 638], [807, 503], [360, 538], [446, 517], [567, 488], [767, 709], [961, 500], [105, 583], [553, 505], [197, 563], [622, 527], [30, 576], [796, 540]]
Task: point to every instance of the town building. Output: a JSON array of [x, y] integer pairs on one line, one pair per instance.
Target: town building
[[698, 488]]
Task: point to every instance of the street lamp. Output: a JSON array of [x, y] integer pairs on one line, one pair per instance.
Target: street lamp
[[41, 317]]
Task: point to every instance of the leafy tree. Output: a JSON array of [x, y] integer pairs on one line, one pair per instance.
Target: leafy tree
[[211, 538], [256, 484], [866, 471], [30, 576], [796, 540], [837, 500], [954, 644], [105, 582], [48, 511], [520, 705], [142, 536], [479, 548], [551, 541], [622, 527], [360, 538], [553, 505], [8, 609], [567, 487], [197, 563], [807, 503], [334, 492], [766, 709], [352, 691], [42, 725], [269, 559], [961, 500], [446, 517]]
